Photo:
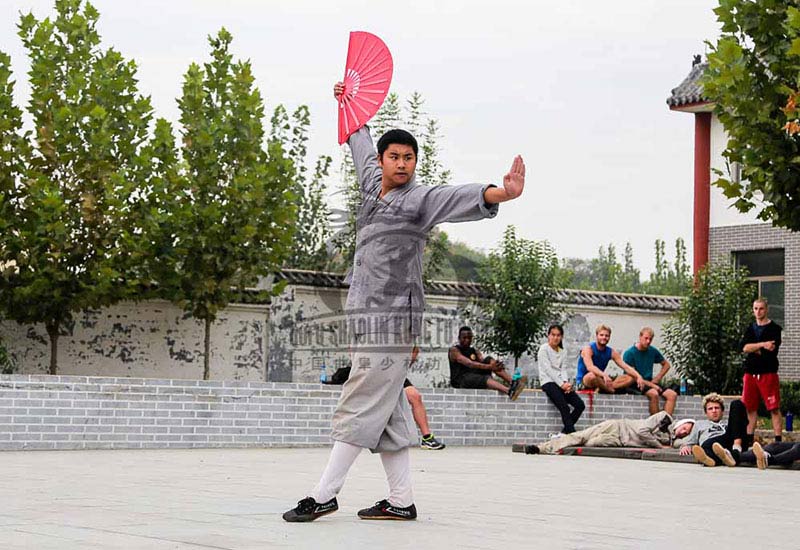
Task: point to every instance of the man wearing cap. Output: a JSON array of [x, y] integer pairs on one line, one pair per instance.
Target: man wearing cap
[[657, 431]]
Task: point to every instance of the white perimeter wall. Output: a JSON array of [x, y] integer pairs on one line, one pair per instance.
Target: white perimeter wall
[[152, 339], [722, 211], [306, 330], [284, 342]]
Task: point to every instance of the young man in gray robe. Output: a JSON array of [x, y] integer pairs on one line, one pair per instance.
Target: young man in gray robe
[[384, 308]]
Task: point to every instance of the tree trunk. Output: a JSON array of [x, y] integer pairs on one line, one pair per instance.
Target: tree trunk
[[52, 331], [207, 352]]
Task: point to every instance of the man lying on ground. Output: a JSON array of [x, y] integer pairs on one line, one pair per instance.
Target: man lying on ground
[[657, 431], [780, 453]]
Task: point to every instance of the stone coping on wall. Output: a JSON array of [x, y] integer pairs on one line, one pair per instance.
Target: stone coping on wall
[[593, 298], [41, 412]]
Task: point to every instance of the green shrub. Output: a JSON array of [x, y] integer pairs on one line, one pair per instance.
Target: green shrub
[[7, 365], [790, 397], [702, 337]]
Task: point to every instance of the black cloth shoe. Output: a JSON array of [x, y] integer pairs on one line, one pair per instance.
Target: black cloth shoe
[[531, 450], [308, 510], [383, 509], [432, 444]]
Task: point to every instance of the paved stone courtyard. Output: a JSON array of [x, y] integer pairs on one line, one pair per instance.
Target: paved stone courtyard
[[468, 497]]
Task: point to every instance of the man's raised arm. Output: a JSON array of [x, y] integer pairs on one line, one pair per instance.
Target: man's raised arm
[[365, 158], [459, 203]]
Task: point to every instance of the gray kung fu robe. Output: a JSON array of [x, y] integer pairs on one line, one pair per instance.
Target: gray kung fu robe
[[386, 299], [654, 431]]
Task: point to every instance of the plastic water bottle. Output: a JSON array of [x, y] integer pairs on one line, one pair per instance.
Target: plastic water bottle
[[517, 374], [683, 386], [323, 375], [789, 422]]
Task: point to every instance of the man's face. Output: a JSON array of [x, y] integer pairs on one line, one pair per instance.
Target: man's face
[[465, 338], [760, 310], [603, 337], [645, 339], [713, 411], [683, 430], [398, 163]]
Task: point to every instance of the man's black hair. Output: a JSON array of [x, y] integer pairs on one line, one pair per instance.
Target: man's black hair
[[401, 137], [464, 329]]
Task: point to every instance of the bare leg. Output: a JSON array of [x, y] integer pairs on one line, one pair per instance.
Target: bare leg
[[418, 409], [591, 381], [622, 381], [504, 375], [652, 401], [777, 422], [493, 384], [752, 416], [670, 398]]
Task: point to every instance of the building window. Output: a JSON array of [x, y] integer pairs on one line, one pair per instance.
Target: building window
[[766, 269]]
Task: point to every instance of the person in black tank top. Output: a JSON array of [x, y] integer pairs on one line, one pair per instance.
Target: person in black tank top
[[469, 369]]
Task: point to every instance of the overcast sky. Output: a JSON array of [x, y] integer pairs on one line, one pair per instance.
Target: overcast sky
[[577, 87]]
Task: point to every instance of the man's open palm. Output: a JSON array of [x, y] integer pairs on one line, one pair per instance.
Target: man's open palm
[[514, 181]]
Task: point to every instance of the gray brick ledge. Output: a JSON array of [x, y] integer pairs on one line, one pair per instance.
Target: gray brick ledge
[[72, 412]]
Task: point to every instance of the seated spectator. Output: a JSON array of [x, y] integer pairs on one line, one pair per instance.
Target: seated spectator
[[714, 441], [642, 356], [779, 453], [470, 369], [429, 441], [654, 431], [555, 381], [593, 360]]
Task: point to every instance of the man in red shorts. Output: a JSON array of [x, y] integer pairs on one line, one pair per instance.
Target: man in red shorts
[[760, 343]]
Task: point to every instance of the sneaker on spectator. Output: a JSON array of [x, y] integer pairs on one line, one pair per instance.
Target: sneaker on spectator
[[430, 443], [762, 456], [723, 454], [309, 509], [701, 456], [516, 387], [383, 509]]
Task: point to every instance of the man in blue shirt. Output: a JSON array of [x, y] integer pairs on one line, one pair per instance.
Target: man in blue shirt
[[642, 356], [593, 360]]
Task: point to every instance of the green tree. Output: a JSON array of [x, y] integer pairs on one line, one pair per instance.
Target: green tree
[[230, 216], [752, 78], [415, 114], [666, 280], [313, 228], [68, 239], [519, 282], [702, 338], [629, 278], [601, 273], [461, 262], [388, 116]]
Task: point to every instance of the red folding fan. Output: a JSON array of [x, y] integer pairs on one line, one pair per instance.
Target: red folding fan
[[367, 76]]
